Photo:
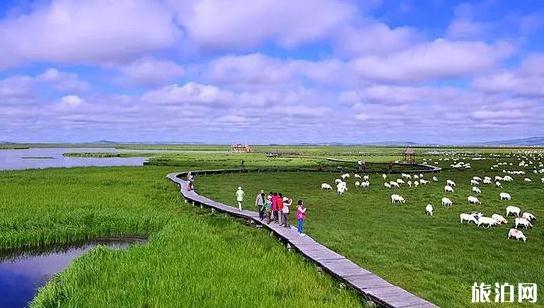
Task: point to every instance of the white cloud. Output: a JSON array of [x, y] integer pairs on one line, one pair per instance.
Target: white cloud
[[151, 72], [192, 93], [62, 81], [86, 31], [435, 60]]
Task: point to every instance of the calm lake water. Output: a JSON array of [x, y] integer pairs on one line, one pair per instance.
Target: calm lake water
[[22, 273], [52, 157]]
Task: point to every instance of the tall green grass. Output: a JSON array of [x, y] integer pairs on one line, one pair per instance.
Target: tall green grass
[[194, 258]]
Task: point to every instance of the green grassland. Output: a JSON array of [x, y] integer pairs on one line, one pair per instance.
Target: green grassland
[[435, 257], [194, 258]]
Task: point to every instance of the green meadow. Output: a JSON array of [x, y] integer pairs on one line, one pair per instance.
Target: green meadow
[[193, 257]]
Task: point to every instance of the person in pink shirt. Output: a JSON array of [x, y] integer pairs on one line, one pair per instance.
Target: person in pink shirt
[[275, 207], [301, 216]]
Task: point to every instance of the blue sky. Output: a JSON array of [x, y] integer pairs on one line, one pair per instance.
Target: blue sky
[[269, 71]]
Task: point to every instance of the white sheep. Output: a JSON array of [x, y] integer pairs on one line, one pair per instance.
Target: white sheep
[[498, 178], [487, 181], [516, 234], [416, 183], [365, 177], [384, 176], [357, 176], [513, 210], [487, 221], [476, 190], [527, 180], [435, 179], [468, 218], [448, 188], [429, 209], [387, 185], [474, 182], [446, 202], [394, 184], [400, 181], [345, 176], [337, 181], [499, 218], [498, 184], [326, 186], [507, 178], [365, 184], [423, 182], [530, 217], [450, 183], [473, 200], [523, 222], [505, 196], [357, 183], [406, 176], [475, 178], [397, 199], [542, 180], [416, 176], [409, 183]]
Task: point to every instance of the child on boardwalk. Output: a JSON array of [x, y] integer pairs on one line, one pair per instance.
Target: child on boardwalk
[[301, 216]]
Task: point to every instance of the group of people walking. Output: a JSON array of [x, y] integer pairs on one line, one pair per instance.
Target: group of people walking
[[276, 208]]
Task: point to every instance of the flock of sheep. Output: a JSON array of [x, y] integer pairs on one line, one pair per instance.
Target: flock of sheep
[[521, 219]]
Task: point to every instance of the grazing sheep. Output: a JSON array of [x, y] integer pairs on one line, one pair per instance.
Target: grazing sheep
[[507, 178], [473, 200], [416, 183], [400, 181], [474, 182], [475, 178], [516, 234], [357, 176], [476, 190], [448, 188], [486, 221], [450, 183], [513, 210], [435, 179], [498, 178], [446, 202], [542, 180], [397, 199], [357, 183], [505, 196], [429, 209], [530, 217], [416, 176], [499, 219], [406, 176], [384, 176], [423, 182], [326, 186], [409, 183], [468, 218], [345, 176], [527, 180], [394, 184], [337, 181], [498, 184], [487, 180], [523, 222], [365, 184], [387, 185], [365, 177]]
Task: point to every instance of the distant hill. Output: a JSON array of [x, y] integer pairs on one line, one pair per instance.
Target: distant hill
[[531, 141]]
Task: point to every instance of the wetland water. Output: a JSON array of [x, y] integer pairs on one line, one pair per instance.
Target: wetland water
[[52, 157], [23, 272]]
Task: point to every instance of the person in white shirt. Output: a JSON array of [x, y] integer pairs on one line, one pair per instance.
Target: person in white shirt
[[285, 211], [240, 197]]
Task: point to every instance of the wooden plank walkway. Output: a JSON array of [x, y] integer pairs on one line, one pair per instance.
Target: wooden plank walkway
[[365, 282]]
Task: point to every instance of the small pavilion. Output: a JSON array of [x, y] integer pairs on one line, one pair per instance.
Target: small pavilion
[[409, 155]]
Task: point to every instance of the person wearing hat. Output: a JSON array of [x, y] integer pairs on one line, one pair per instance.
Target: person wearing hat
[[240, 197], [285, 211]]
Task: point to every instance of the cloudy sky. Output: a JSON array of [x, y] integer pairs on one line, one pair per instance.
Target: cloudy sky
[[271, 71]]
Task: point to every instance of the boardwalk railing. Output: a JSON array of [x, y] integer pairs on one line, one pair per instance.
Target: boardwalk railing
[[363, 281]]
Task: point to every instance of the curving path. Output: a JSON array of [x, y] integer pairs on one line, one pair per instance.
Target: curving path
[[364, 282]]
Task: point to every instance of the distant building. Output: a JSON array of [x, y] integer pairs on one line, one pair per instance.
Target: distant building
[[241, 148], [409, 155]]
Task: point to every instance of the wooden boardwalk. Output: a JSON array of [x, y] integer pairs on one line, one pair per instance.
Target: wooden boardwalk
[[369, 285]]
